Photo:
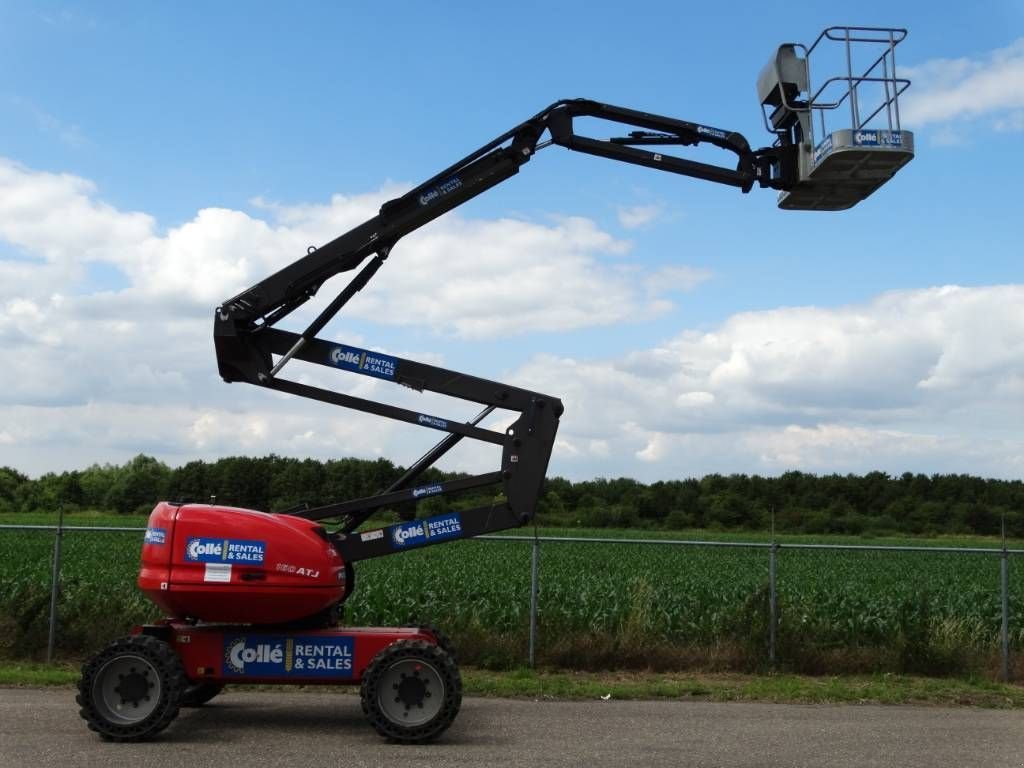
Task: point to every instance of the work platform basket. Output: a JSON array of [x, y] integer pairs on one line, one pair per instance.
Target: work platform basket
[[847, 127]]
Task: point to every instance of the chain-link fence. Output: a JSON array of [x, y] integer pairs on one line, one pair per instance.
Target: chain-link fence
[[772, 552]]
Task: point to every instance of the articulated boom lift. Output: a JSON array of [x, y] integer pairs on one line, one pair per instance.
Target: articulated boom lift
[[254, 597]]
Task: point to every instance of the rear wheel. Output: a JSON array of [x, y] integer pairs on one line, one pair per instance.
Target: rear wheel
[[131, 690], [411, 691]]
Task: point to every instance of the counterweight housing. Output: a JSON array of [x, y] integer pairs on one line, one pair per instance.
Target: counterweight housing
[[222, 564]]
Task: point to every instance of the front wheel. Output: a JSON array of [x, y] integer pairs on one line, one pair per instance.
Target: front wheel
[[131, 690], [411, 691]]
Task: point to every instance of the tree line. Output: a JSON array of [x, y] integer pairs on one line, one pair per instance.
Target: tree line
[[874, 503]]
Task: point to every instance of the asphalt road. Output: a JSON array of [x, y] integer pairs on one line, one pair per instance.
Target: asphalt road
[[41, 727]]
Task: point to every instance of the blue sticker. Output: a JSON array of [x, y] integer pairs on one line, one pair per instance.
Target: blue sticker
[[408, 534], [363, 361], [155, 536], [822, 149], [426, 490], [878, 138], [442, 189], [207, 550], [716, 132], [288, 656], [432, 529], [432, 421], [444, 527]]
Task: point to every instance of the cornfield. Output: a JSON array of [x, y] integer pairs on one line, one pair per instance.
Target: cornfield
[[600, 605]]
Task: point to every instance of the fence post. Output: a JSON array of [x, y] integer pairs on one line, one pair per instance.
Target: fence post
[[1004, 583], [772, 602], [55, 587], [534, 568], [772, 595]]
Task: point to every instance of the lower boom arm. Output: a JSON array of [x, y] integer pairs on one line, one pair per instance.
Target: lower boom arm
[[525, 445]]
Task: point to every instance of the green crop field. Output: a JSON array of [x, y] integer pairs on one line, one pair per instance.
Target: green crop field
[[601, 605]]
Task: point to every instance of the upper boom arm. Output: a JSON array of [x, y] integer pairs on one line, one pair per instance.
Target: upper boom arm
[[488, 166]]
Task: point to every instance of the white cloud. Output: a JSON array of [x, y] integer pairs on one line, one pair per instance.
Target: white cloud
[[682, 279], [141, 354], [638, 215], [1012, 123], [825, 445], [76, 435], [65, 132], [990, 86], [928, 379], [56, 217], [485, 279], [469, 278], [925, 378]]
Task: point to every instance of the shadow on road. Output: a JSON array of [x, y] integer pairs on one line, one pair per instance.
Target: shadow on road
[[230, 720]]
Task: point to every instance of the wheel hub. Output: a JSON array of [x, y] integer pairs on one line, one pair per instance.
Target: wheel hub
[[127, 689], [411, 692], [134, 687]]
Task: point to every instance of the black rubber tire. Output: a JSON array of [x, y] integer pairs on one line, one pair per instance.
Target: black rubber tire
[[165, 663], [197, 694], [412, 650], [443, 641]]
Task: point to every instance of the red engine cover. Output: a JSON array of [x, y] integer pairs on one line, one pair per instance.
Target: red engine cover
[[238, 565]]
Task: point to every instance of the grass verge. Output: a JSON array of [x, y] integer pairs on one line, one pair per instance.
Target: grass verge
[[29, 673], [794, 689]]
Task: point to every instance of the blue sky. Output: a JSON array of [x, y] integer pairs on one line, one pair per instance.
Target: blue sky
[[155, 158]]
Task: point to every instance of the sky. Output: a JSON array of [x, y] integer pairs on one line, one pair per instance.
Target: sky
[[156, 159]]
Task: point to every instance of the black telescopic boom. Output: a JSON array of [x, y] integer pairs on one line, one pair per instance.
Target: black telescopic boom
[[247, 342]]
